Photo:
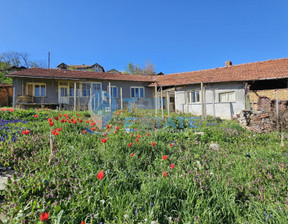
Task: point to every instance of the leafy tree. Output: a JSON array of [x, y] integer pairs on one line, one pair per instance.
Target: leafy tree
[[148, 69]]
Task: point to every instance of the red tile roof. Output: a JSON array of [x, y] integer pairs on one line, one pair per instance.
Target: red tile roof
[[271, 69], [77, 75]]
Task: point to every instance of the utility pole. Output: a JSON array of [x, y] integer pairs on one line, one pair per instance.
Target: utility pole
[[48, 59]]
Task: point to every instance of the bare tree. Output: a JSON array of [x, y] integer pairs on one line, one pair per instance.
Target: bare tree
[[149, 69]]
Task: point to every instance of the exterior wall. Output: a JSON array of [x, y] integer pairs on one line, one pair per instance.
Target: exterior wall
[[52, 91], [5, 99], [271, 94], [223, 110]]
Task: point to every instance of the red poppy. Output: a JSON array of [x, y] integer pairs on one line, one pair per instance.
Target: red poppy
[[117, 128], [51, 124], [164, 174], [25, 132], [132, 154], [153, 143], [50, 119], [44, 216], [84, 131], [172, 166], [148, 134], [165, 157], [104, 140], [83, 222], [100, 175], [93, 129], [35, 116], [130, 144], [171, 145]]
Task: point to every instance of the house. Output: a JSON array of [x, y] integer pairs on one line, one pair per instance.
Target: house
[[113, 71], [95, 67], [220, 92], [73, 89]]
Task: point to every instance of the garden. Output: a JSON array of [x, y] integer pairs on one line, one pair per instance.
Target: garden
[[71, 167]]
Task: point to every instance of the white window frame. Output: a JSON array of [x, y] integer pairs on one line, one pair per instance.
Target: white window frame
[[81, 83], [190, 98], [137, 87], [226, 94], [112, 91], [33, 87]]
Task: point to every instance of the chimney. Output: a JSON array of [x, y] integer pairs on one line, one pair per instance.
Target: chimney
[[228, 63]]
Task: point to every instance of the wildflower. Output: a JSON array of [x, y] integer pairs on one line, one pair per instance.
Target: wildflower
[[62, 120], [148, 134], [100, 175], [171, 145], [132, 154], [35, 116], [60, 115], [56, 118], [80, 120], [59, 129], [44, 216], [93, 129], [104, 140], [117, 128], [83, 222], [25, 132], [115, 132], [84, 131], [104, 134], [172, 166], [164, 174], [50, 119], [136, 139], [87, 121], [75, 122], [153, 143], [51, 124], [165, 157], [139, 136], [130, 144]]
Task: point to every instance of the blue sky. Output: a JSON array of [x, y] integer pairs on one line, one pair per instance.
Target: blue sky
[[176, 36]]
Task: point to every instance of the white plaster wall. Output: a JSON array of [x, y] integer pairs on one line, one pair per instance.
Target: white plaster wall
[[222, 110]]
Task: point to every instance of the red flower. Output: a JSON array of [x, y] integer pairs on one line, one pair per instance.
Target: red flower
[[84, 132], [93, 124], [165, 157], [56, 118], [164, 174], [153, 143], [172, 166], [148, 134], [25, 132], [139, 136], [35, 116], [44, 216], [132, 154], [51, 124], [60, 115], [59, 129], [117, 128], [104, 140], [50, 119], [104, 134], [136, 139], [75, 122], [100, 175], [93, 129], [83, 222], [62, 120], [171, 145], [115, 132], [130, 144], [80, 120], [87, 121]]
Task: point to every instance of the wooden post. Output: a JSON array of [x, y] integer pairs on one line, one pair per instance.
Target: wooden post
[[75, 93], [121, 99], [156, 98], [203, 101], [277, 103], [109, 91], [161, 95], [14, 97], [186, 102], [168, 103], [213, 103]]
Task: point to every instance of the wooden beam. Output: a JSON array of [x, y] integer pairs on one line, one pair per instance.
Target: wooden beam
[[213, 103], [75, 93], [277, 103], [203, 101], [14, 97], [161, 95], [121, 99], [168, 103], [156, 99], [109, 91]]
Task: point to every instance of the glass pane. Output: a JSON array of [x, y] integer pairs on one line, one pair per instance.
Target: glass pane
[[114, 92], [197, 96], [193, 97], [230, 97], [37, 90], [222, 97], [71, 91], [141, 92], [43, 90], [136, 92], [132, 92]]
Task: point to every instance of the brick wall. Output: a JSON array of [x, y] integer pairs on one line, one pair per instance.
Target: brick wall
[[3, 96]]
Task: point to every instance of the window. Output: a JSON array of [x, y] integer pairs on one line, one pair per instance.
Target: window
[[36, 89], [137, 92], [87, 87], [227, 97], [194, 96], [114, 91]]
